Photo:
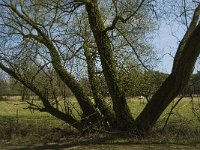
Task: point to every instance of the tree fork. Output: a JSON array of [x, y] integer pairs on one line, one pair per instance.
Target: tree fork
[[123, 115], [90, 114]]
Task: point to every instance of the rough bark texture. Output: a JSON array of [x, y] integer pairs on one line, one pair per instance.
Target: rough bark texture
[[184, 62], [181, 72], [123, 115], [89, 111], [99, 100]]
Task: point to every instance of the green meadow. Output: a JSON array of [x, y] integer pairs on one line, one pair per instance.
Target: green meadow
[[21, 125], [186, 111]]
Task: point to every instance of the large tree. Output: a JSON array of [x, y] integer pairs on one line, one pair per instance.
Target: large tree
[[63, 37]]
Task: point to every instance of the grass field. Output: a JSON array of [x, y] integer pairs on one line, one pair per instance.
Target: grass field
[[17, 122], [17, 110], [184, 111]]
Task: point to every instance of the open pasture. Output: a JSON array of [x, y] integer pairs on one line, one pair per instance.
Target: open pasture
[[187, 110], [18, 124]]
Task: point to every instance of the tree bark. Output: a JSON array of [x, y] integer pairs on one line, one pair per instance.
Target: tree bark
[[90, 114], [176, 81], [123, 115], [89, 111], [99, 101]]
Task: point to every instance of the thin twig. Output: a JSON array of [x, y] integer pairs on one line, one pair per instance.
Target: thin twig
[[170, 113]]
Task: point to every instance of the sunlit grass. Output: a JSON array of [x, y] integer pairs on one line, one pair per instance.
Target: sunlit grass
[[182, 113], [16, 111], [183, 126]]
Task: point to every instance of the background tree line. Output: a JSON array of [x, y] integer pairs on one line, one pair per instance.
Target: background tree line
[[135, 83]]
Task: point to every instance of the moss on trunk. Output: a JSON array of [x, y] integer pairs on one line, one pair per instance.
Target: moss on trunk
[[123, 115], [90, 114], [101, 104]]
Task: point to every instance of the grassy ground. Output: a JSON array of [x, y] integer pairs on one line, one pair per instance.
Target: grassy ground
[[19, 125], [184, 111]]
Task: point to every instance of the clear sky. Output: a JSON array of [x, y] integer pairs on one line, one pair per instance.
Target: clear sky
[[166, 42], [167, 39]]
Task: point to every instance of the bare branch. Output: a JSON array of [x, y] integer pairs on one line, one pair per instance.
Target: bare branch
[[123, 20], [26, 18], [35, 107], [187, 35], [170, 113], [129, 43], [83, 1]]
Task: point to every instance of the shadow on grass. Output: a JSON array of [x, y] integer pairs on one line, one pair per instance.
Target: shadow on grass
[[58, 146], [106, 143]]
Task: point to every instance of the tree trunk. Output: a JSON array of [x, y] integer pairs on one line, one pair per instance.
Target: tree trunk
[[181, 72], [90, 114], [101, 104], [123, 115]]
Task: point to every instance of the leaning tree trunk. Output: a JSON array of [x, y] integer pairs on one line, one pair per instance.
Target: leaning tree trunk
[[183, 67], [90, 114], [66, 117], [123, 115], [89, 111]]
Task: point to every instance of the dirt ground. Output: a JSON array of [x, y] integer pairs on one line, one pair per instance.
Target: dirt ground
[[102, 147]]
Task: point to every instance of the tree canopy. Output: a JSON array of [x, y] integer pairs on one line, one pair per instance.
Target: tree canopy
[[44, 43]]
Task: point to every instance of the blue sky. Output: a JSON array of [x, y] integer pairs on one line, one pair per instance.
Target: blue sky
[[167, 38], [166, 42]]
